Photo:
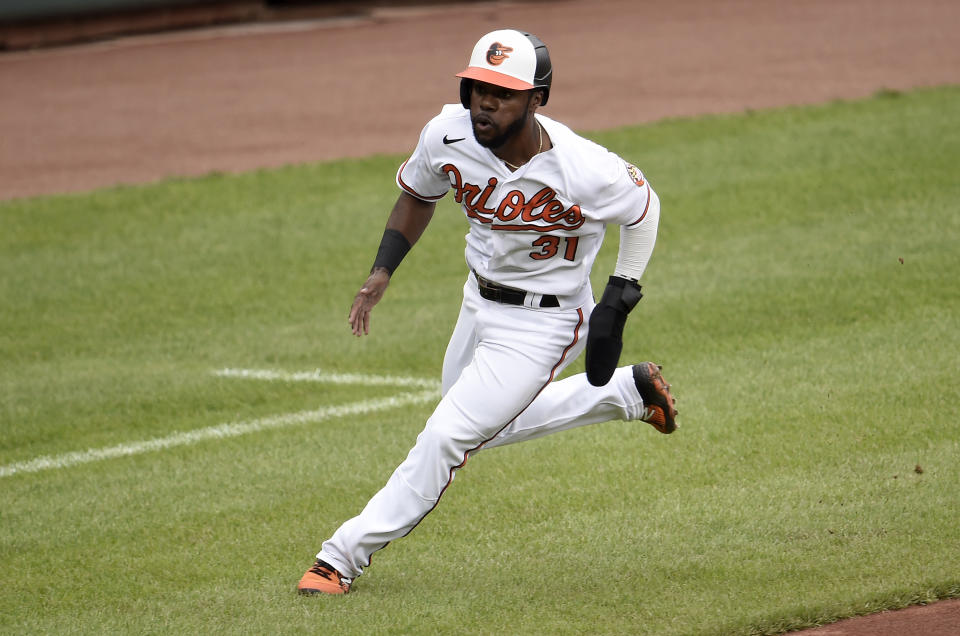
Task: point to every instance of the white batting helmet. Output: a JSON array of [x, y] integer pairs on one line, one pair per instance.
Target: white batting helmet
[[508, 58]]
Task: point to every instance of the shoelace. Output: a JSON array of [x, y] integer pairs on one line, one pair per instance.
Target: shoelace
[[322, 570]]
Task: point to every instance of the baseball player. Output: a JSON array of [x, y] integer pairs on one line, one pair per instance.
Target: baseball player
[[537, 198]]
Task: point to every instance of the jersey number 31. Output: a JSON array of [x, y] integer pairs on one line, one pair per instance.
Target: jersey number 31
[[550, 246]]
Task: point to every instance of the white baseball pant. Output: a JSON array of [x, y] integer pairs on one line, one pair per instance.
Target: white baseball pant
[[498, 388]]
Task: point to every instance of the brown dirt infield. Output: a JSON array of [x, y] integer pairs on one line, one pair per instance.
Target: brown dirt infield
[[262, 95], [243, 97]]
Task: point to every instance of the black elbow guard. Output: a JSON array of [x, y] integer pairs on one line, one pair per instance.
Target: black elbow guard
[[605, 334]]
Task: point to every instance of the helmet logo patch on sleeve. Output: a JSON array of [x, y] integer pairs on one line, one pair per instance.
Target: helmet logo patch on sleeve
[[497, 53], [635, 174]]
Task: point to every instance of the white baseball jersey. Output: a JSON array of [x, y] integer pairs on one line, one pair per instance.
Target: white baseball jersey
[[540, 227]]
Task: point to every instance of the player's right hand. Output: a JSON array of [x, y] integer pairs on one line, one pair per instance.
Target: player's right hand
[[368, 296]]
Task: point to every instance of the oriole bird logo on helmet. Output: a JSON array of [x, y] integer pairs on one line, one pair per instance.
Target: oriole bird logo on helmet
[[497, 53]]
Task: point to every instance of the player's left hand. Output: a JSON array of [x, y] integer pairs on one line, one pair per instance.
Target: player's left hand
[[368, 296]]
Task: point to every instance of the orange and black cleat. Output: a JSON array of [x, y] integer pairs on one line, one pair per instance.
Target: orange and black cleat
[[323, 578], [658, 402]]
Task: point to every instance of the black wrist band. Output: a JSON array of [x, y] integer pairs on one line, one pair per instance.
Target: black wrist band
[[393, 247]]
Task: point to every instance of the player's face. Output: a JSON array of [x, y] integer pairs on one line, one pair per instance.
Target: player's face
[[498, 113]]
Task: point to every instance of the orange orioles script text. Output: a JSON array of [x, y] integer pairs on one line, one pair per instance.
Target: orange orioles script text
[[542, 213]]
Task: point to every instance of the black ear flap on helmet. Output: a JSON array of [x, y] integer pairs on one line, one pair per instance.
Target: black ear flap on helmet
[[543, 75]]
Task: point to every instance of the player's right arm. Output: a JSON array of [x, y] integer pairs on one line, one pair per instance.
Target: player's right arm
[[639, 218], [408, 220]]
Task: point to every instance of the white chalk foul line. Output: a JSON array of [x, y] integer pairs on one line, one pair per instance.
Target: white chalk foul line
[[327, 378], [232, 429]]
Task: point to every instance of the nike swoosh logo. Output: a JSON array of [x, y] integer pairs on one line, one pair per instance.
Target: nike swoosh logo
[[447, 140]]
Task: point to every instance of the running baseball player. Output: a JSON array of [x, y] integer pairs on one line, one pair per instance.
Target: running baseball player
[[537, 198]]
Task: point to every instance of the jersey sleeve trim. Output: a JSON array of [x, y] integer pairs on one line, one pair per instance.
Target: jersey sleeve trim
[[411, 191], [645, 208]]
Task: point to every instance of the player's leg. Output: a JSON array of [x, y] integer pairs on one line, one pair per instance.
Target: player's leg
[[519, 353], [574, 402], [324, 577]]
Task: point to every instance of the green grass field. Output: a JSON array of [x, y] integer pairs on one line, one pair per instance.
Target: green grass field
[[802, 297]]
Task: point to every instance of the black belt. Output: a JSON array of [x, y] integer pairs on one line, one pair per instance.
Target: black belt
[[508, 295]]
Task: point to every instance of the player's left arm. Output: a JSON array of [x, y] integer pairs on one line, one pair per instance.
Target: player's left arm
[[622, 293]]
